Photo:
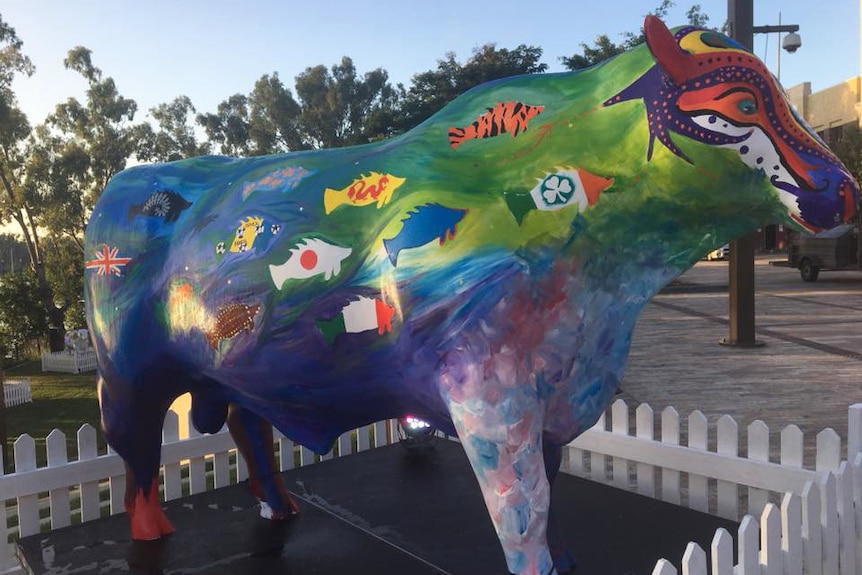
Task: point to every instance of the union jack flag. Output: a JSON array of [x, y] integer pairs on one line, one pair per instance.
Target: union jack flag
[[107, 262]]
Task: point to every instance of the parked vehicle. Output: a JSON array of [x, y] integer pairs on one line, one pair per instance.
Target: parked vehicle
[[721, 253], [835, 249]]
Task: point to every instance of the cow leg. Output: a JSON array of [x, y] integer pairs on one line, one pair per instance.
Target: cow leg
[[502, 439], [253, 437], [564, 561], [147, 518]]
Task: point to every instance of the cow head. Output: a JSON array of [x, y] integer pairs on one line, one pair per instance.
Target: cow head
[[709, 88]]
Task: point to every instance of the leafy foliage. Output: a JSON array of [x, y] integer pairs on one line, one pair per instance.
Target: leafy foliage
[[175, 138], [22, 317], [603, 47], [434, 89]]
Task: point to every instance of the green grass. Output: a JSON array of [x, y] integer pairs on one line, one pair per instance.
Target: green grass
[[61, 401]]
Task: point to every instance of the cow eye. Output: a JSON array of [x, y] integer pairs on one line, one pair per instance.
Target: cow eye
[[747, 106]]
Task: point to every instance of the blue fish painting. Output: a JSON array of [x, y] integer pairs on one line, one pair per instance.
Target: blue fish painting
[[423, 225]]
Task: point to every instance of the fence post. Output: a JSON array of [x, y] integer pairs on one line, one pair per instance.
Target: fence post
[[829, 521], [846, 518], [727, 443], [812, 533], [88, 449], [722, 552], [670, 491], [664, 567], [770, 541], [698, 494], [173, 480], [620, 426], [854, 431], [645, 429], [749, 550], [694, 560], [758, 450], [828, 450], [791, 534], [58, 498], [28, 505], [598, 471], [117, 489]]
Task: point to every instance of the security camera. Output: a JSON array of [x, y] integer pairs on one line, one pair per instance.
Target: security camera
[[792, 42]]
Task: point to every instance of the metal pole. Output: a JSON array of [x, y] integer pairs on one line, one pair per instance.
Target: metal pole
[[740, 16], [5, 461]]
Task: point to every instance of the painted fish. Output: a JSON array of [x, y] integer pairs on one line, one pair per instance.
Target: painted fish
[[428, 222], [231, 320], [364, 314], [282, 179], [363, 191], [309, 258], [558, 190], [511, 117], [246, 232], [166, 204]]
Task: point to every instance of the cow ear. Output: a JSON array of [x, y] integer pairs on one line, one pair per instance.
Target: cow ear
[[667, 53]]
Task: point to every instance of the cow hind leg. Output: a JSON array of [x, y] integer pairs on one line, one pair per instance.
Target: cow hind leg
[[254, 439]]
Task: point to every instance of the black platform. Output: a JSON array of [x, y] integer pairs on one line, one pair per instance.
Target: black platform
[[380, 512]]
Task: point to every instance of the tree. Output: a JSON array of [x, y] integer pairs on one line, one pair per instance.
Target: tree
[[229, 126], [18, 202], [333, 108], [100, 127], [65, 270], [603, 47], [339, 109], [433, 89], [22, 316], [175, 138], [274, 124]]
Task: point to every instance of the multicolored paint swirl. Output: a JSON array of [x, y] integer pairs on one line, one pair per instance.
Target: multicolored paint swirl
[[484, 271]]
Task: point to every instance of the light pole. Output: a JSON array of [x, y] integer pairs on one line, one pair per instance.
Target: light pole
[[740, 17]]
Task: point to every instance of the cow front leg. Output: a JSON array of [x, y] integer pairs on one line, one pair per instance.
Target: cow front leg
[[253, 437], [147, 518], [503, 443]]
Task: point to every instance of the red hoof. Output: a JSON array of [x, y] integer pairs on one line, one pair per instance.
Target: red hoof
[[148, 520]]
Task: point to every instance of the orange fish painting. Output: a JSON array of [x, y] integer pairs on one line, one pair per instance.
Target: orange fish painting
[[511, 117]]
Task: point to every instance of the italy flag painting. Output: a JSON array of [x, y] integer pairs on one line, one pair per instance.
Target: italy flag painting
[[363, 314]]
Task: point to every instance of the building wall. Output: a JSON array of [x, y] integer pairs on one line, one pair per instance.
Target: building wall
[[827, 109]]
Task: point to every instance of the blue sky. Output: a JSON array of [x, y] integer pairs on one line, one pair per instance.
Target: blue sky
[[211, 49]]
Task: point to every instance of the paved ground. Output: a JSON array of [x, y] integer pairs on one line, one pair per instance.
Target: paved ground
[[807, 373]]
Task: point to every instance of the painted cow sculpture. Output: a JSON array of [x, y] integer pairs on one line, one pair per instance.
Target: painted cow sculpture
[[483, 271]]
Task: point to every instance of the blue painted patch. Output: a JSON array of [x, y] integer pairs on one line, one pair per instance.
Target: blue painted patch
[[486, 452]]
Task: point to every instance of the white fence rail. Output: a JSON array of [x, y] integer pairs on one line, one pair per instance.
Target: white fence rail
[[16, 392], [810, 519], [69, 362]]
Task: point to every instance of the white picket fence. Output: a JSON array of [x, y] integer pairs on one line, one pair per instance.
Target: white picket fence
[[16, 392], [69, 362], [810, 520]]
